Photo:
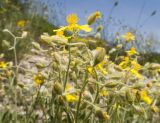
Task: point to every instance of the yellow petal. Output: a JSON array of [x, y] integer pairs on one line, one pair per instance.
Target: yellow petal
[[145, 97], [71, 98], [85, 28]]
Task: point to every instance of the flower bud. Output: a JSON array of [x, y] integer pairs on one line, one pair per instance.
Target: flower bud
[[57, 39], [83, 105], [138, 96], [139, 85], [55, 65], [9, 73], [5, 44], [118, 68], [57, 57], [93, 17], [111, 84], [88, 96], [130, 96], [99, 28], [36, 45], [155, 109], [39, 79], [24, 34], [40, 65], [91, 88], [149, 84], [139, 109], [98, 35], [98, 55], [61, 100], [119, 46], [102, 115], [73, 76], [57, 88]]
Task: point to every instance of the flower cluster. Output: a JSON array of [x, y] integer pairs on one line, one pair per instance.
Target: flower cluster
[[71, 79]]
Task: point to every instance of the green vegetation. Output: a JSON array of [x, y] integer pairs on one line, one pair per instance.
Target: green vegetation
[[15, 18], [65, 78]]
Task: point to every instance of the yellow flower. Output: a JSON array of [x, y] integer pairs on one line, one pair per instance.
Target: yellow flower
[[60, 33], [71, 98], [70, 93], [158, 70], [72, 26], [3, 64], [126, 59], [124, 63], [77, 28], [100, 67], [145, 97], [135, 72], [132, 51], [21, 23], [72, 19], [38, 79], [136, 66], [129, 37], [85, 28], [98, 14], [69, 87], [90, 70], [103, 93]]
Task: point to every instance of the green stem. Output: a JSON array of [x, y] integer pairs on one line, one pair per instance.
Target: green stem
[[95, 99], [97, 86], [56, 114], [86, 119], [34, 104], [80, 96], [16, 74], [69, 62]]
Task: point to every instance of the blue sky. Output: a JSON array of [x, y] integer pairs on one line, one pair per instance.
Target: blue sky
[[127, 11]]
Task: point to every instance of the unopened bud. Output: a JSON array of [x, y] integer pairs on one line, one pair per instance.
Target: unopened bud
[[99, 28], [130, 96], [149, 84], [57, 39], [98, 54], [24, 34], [57, 88], [139, 85], [155, 109], [98, 35], [36, 45], [111, 84], [102, 115], [61, 100], [93, 17], [139, 109]]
